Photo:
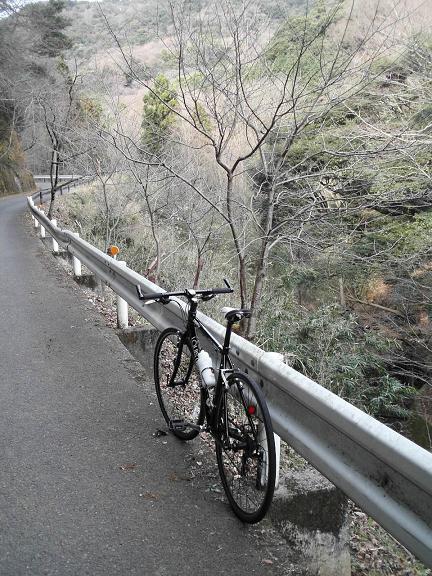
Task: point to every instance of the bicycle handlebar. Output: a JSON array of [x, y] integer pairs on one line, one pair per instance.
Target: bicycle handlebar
[[189, 293]]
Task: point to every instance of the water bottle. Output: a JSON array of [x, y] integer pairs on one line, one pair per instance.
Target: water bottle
[[205, 368]]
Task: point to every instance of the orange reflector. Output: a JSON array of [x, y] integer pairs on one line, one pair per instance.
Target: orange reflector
[[113, 250]]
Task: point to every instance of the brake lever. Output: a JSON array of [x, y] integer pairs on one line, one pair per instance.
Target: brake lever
[[207, 297], [162, 299], [227, 284]]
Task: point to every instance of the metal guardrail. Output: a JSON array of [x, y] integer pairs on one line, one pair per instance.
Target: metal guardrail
[[68, 181], [47, 177], [386, 474]]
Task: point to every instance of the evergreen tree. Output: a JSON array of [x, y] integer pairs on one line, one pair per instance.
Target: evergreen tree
[[50, 25], [158, 114]]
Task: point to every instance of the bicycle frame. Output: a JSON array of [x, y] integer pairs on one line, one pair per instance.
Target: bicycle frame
[[231, 407], [225, 365]]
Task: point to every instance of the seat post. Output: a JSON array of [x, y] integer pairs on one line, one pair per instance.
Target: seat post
[[226, 344]]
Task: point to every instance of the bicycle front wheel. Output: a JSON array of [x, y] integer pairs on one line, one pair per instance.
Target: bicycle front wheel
[[245, 448], [180, 397]]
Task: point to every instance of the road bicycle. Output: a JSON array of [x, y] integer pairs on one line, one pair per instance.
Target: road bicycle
[[227, 403]]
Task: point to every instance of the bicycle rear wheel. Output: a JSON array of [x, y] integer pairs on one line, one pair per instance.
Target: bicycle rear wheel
[[245, 449], [182, 402]]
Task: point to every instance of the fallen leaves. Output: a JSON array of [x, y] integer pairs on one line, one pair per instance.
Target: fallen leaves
[[150, 495], [127, 467], [373, 551]]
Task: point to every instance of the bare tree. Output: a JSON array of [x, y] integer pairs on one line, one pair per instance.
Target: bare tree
[[60, 109], [250, 100]]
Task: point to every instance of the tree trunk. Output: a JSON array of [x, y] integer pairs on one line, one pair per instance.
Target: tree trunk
[[255, 304], [262, 261], [152, 272], [158, 260], [107, 212], [54, 174], [198, 270], [240, 253]]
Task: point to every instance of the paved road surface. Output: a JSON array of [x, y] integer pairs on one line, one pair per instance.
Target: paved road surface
[[74, 410]]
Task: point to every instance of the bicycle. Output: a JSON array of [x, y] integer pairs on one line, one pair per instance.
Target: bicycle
[[227, 403]]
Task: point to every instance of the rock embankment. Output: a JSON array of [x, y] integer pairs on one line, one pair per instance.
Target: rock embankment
[[14, 176]]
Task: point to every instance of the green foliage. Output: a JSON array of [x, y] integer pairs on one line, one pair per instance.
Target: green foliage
[[301, 275], [388, 397], [158, 114], [331, 347], [299, 43], [308, 153], [383, 235], [407, 235]]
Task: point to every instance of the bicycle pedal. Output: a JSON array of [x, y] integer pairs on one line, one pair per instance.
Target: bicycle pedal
[[177, 425]]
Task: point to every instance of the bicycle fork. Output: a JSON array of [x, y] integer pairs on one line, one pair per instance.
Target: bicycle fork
[[172, 381]]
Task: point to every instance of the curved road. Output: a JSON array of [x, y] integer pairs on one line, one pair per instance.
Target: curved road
[[85, 487]]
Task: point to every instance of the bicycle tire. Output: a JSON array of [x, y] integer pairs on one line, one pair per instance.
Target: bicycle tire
[[185, 401], [247, 474]]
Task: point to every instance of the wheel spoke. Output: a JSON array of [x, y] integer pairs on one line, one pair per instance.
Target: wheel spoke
[[246, 456], [177, 384]]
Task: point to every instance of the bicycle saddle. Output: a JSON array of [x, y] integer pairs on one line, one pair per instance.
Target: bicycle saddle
[[235, 314]]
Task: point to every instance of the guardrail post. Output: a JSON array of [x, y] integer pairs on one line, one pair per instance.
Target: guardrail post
[[42, 229], [55, 246], [35, 221], [263, 442], [122, 306], [311, 514], [277, 441], [77, 269]]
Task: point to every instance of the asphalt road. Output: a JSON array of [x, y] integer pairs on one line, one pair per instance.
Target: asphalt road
[[85, 487]]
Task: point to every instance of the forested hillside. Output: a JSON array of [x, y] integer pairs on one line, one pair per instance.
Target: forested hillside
[[13, 174], [286, 148], [31, 42], [139, 22]]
